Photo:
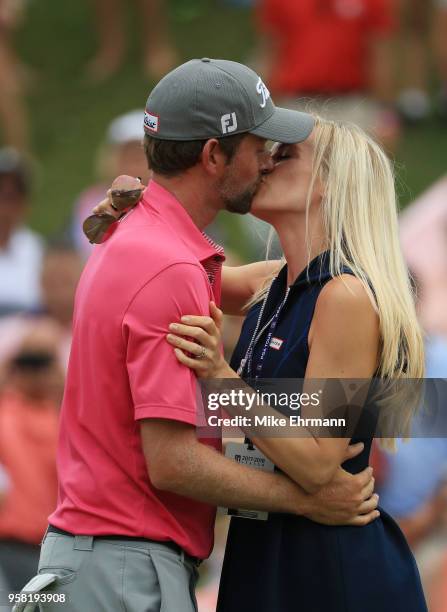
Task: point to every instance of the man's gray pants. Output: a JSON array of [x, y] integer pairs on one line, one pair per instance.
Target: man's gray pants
[[111, 575]]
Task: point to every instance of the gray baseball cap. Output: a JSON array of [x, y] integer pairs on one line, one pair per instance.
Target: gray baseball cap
[[212, 98]]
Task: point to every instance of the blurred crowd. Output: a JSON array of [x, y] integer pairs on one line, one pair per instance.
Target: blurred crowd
[[380, 63]]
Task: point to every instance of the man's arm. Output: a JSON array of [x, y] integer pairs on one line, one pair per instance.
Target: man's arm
[[165, 402], [179, 463], [4, 485]]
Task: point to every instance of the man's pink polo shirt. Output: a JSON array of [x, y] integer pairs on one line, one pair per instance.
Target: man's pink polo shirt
[[156, 267]]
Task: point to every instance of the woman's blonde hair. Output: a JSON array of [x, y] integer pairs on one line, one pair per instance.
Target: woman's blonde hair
[[359, 213]]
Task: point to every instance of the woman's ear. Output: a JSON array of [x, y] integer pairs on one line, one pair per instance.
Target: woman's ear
[[319, 188], [213, 158]]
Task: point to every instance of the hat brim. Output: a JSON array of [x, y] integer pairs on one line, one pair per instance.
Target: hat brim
[[287, 126]]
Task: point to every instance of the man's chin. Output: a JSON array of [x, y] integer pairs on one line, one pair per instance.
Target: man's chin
[[241, 205], [238, 210]]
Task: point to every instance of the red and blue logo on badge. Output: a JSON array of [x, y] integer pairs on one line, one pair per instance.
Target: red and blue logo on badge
[[276, 343]]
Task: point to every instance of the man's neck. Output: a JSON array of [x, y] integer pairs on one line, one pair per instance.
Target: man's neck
[[191, 195]]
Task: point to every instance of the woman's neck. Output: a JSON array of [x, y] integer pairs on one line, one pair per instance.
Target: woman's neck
[[292, 236]]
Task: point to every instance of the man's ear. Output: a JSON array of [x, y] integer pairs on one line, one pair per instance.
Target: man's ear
[[213, 158]]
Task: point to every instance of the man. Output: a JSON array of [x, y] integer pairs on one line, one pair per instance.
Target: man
[[138, 490]]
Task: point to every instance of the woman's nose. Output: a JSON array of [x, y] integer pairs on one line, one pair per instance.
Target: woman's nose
[[268, 164]]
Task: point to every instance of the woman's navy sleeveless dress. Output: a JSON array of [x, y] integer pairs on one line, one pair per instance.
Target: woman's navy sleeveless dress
[[290, 563]]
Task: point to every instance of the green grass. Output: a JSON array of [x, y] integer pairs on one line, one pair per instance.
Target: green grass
[[421, 159], [68, 117]]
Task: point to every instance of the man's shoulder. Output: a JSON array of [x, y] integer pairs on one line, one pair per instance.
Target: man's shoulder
[[134, 257], [140, 240], [150, 234]]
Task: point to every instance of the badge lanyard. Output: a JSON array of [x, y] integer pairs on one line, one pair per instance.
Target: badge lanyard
[[271, 325], [248, 359]]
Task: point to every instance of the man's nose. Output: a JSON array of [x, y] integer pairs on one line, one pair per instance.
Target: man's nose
[[268, 164]]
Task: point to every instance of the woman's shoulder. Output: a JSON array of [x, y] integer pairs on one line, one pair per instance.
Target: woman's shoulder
[[345, 303], [346, 291], [345, 333]]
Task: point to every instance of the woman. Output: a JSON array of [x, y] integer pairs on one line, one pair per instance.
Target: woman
[[341, 307]]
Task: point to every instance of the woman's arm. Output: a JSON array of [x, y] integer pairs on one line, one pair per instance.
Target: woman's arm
[[344, 343], [239, 284]]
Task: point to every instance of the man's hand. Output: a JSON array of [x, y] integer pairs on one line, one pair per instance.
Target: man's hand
[[125, 193], [105, 207], [347, 500]]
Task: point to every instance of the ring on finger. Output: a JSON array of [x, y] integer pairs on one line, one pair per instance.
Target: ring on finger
[[202, 353]]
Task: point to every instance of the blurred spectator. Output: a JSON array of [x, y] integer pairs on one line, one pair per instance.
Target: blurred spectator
[[61, 270], [20, 248], [28, 434], [159, 53], [424, 242], [13, 117], [415, 487], [420, 20], [415, 492], [62, 267], [441, 53], [332, 49], [413, 483], [121, 153], [438, 598], [414, 36]]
